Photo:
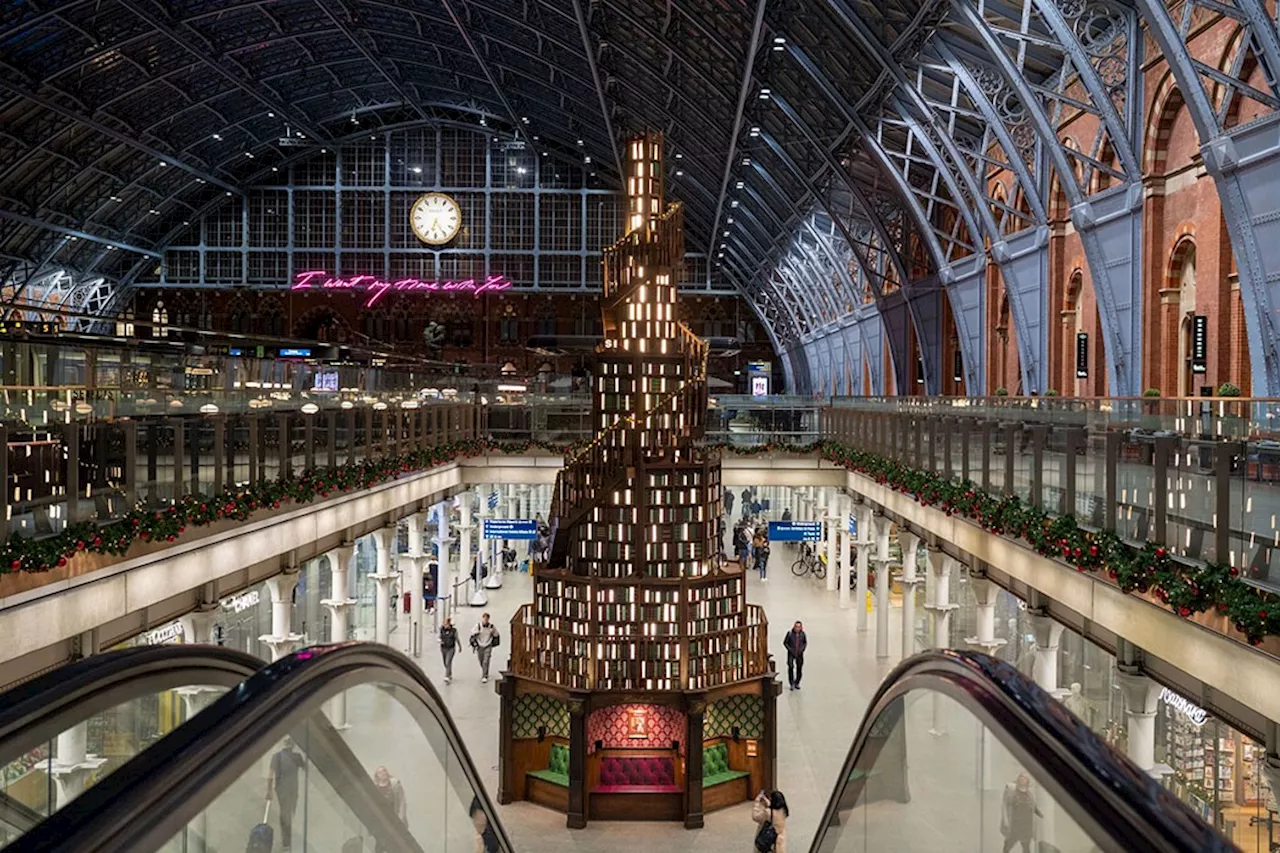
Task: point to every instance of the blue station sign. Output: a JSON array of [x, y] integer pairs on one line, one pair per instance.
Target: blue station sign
[[795, 531], [509, 528]]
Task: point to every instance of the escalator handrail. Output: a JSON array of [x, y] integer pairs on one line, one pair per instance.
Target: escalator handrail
[[156, 794], [1096, 784], [39, 710]]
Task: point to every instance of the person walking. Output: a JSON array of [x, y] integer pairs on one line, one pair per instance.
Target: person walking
[[746, 502], [770, 813], [760, 548], [1017, 814], [448, 647], [282, 784], [486, 838], [728, 503], [484, 639], [795, 643], [392, 792]]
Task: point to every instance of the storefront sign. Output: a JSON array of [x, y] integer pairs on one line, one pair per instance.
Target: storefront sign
[[1197, 715], [376, 288], [242, 602], [759, 386], [510, 528], [1199, 343], [1082, 355], [171, 633], [795, 531]]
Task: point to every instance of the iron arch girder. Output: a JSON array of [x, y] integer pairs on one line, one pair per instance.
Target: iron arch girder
[[1031, 189], [1245, 164], [871, 332], [851, 341], [840, 265], [802, 279], [850, 184], [863, 261], [851, 115], [767, 325], [916, 109], [1109, 225], [967, 293]]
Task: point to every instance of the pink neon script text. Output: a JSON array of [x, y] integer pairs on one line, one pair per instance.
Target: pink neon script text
[[377, 288]]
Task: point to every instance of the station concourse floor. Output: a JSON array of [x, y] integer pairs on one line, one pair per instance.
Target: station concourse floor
[[816, 725]]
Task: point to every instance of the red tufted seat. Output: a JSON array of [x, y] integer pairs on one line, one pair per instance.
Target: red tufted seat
[[648, 775]]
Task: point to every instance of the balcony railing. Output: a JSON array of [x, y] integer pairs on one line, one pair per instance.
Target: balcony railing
[[1201, 476]]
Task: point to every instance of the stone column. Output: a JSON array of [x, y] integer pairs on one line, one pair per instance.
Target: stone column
[[942, 567], [910, 579], [384, 541], [832, 528], [844, 567], [466, 559], [1140, 697], [494, 581], [282, 640], [882, 589], [985, 592], [411, 569], [868, 528], [442, 540], [1044, 667], [834, 520], [72, 764], [339, 605]]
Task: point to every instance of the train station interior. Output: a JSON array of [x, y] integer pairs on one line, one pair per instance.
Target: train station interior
[[528, 426]]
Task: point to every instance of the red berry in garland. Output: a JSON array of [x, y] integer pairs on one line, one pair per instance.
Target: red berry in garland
[[62, 561], [15, 565], [1161, 553]]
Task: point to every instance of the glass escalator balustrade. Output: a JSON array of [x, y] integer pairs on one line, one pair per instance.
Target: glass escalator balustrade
[[337, 748], [67, 730], [961, 753]]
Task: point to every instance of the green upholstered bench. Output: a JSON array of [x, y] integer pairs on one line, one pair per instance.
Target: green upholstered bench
[[557, 772], [715, 766]]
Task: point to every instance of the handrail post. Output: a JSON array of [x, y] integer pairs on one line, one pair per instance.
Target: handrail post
[[1112, 492], [1160, 511], [1074, 441], [71, 442], [255, 474], [331, 438], [179, 459], [1223, 453], [1010, 448], [219, 442], [130, 429], [1039, 433]]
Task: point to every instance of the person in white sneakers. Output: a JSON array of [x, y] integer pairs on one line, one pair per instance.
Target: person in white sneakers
[[484, 639]]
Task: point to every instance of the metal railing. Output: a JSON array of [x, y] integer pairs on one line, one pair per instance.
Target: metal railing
[[1200, 476]]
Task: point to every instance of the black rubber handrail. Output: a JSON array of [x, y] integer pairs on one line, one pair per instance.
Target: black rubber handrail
[[156, 794], [39, 710], [1099, 788]]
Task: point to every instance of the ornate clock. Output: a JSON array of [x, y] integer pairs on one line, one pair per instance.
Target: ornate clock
[[435, 218]]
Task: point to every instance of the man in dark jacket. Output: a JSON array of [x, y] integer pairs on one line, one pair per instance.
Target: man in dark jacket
[[795, 644]]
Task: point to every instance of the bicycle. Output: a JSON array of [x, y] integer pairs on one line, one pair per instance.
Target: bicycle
[[809, 562]]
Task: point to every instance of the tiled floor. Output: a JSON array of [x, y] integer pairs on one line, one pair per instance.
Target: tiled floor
[[816, 725]]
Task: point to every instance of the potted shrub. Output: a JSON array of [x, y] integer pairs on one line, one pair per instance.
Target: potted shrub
[[1002, 392]]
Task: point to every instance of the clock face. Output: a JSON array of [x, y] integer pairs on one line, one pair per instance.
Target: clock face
[[435, 218]]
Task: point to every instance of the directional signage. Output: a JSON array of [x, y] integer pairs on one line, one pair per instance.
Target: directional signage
[[853, 524], [510, 528], [795, 531]]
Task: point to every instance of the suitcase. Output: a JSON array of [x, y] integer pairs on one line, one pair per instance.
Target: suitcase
[[262, 838]]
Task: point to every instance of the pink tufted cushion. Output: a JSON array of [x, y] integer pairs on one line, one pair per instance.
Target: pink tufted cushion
[[651, 773]]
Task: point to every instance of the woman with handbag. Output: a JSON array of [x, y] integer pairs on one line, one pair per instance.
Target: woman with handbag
[[770, 813]]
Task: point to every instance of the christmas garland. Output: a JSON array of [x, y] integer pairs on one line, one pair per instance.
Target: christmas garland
[[166, 525], [1148, 569]]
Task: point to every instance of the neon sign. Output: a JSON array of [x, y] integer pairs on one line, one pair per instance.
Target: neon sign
[[1197, 715], [376, 288]]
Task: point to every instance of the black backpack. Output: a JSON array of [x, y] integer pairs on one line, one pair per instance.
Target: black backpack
[[766, 835]]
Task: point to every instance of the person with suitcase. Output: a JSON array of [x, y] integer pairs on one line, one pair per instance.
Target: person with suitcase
[[282, 785]]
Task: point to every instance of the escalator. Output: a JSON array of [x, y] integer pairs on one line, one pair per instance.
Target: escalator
[[958, 752], [68, 729], [265, 764], [961, 752]]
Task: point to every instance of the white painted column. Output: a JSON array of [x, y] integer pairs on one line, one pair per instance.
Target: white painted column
[[73, 765], [867, 525], [411, 569], [384, 540], [843, 584], [442, 539], [197, 626], [282, 640], [941, 566], [985, 639], [882, 589], [909, 580], [834, 519], [485, 546], [832, 523], [1140, 697], [339, 605], [1044, 667]]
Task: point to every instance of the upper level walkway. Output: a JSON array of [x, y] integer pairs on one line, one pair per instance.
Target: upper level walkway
[[1110, 512]]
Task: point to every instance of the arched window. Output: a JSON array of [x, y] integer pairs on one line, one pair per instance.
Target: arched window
[[160, 320]]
